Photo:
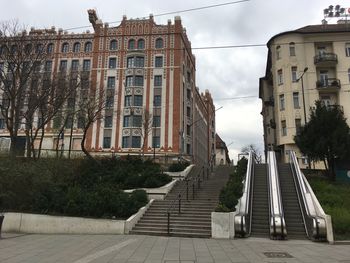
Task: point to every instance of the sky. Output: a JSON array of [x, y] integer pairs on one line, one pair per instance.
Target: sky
[[229, 74]]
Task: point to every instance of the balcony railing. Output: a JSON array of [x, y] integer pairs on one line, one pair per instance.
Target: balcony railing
[[328, 84], [326, 58]]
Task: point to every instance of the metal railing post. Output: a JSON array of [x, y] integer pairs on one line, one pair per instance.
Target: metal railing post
[[199, 181], [186, 189], [179, 203], [193, 190], [168, 223], [203, 172], [207, 173]]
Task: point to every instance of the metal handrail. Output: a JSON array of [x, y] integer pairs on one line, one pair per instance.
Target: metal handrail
[[242, 219], [196, 181], [277, 222], [314, 216]]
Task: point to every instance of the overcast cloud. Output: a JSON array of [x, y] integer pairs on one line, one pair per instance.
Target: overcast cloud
[[226, 73]]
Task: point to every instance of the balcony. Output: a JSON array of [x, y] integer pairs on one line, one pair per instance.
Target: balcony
[[326, 59], [328, 85]]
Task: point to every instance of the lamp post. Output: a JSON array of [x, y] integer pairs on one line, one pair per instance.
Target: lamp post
[[302, 90]]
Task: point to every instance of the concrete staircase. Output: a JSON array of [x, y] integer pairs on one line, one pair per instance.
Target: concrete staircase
[[195, 217], [260, 209], [292, 213]]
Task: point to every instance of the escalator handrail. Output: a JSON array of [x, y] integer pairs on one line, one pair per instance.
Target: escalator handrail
[[312, 207], [242, 227], [277, 223]]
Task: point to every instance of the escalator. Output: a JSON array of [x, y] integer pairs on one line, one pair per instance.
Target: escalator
[[292, 212], [260, 205]]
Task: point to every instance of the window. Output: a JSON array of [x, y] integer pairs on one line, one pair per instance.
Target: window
[[106, 142], [36, 66], [135, 142], [140, 44], [156, 142], [282, 102], [137, 121], [157, 101], [125, 141], [111, 82], [65, 48], [86, 64], [39, 49], [294, 74], [158, 62], [75, 65], [159, 43], [348, 73], [188, 94], [113, 45], [138, 80], [135, 62], [28, 49], [49, 49], [88, 47], [108, 122], [158, 80], [278, 52], [347, 49], [188, 130], [126, 121], [296, 100], [138, 100], [323, 78], [109, 101], [284, 128], [298, 126], [112, 63], [63, 65], [188, 111], [131, 44], [129, 81], [69, 123], [292, 49], [156, 121], [127, 101], [2, 123], [13, 49], [76, 47], [81, 122], [47, 67], [280, 77]]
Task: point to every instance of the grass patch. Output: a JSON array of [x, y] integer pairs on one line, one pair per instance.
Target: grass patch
[[335, 200]]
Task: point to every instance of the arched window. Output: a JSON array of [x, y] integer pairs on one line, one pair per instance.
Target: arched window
[[140, 44], [131, 44], [65, 47], [278, 52], [76, 47], [113, 45], [88, 47], [28, 48], [159, 43], [291, 49], [50, 48], [39, 48]]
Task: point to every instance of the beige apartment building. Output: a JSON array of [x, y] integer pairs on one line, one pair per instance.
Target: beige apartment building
[[304, 65]]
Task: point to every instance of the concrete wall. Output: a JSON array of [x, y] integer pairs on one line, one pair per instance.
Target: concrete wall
[[222, 225], [181, 174]]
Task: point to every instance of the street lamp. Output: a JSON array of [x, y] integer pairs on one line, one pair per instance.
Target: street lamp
[[302, 89]]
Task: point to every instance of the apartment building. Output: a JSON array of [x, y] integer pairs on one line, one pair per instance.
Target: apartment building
[[144, 70], [304, 65]]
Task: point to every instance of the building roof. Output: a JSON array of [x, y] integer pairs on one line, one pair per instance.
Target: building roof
[[316, 29]]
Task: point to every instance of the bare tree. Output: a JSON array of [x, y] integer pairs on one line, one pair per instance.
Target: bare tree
[[90, 109], [255, 150], [21, 57], [146, 128]]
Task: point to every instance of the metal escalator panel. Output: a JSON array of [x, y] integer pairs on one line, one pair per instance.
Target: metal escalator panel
[[315, 220], [260, 204], [293, 214]]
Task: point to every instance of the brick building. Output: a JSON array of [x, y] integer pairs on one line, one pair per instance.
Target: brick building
[[140, 67]]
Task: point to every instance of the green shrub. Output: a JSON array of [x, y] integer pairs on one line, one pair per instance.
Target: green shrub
[[178, 167]]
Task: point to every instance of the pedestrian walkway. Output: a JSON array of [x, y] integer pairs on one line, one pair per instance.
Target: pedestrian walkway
[[153, 249]]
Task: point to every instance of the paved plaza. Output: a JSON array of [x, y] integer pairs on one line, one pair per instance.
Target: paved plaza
[[136, 248]]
